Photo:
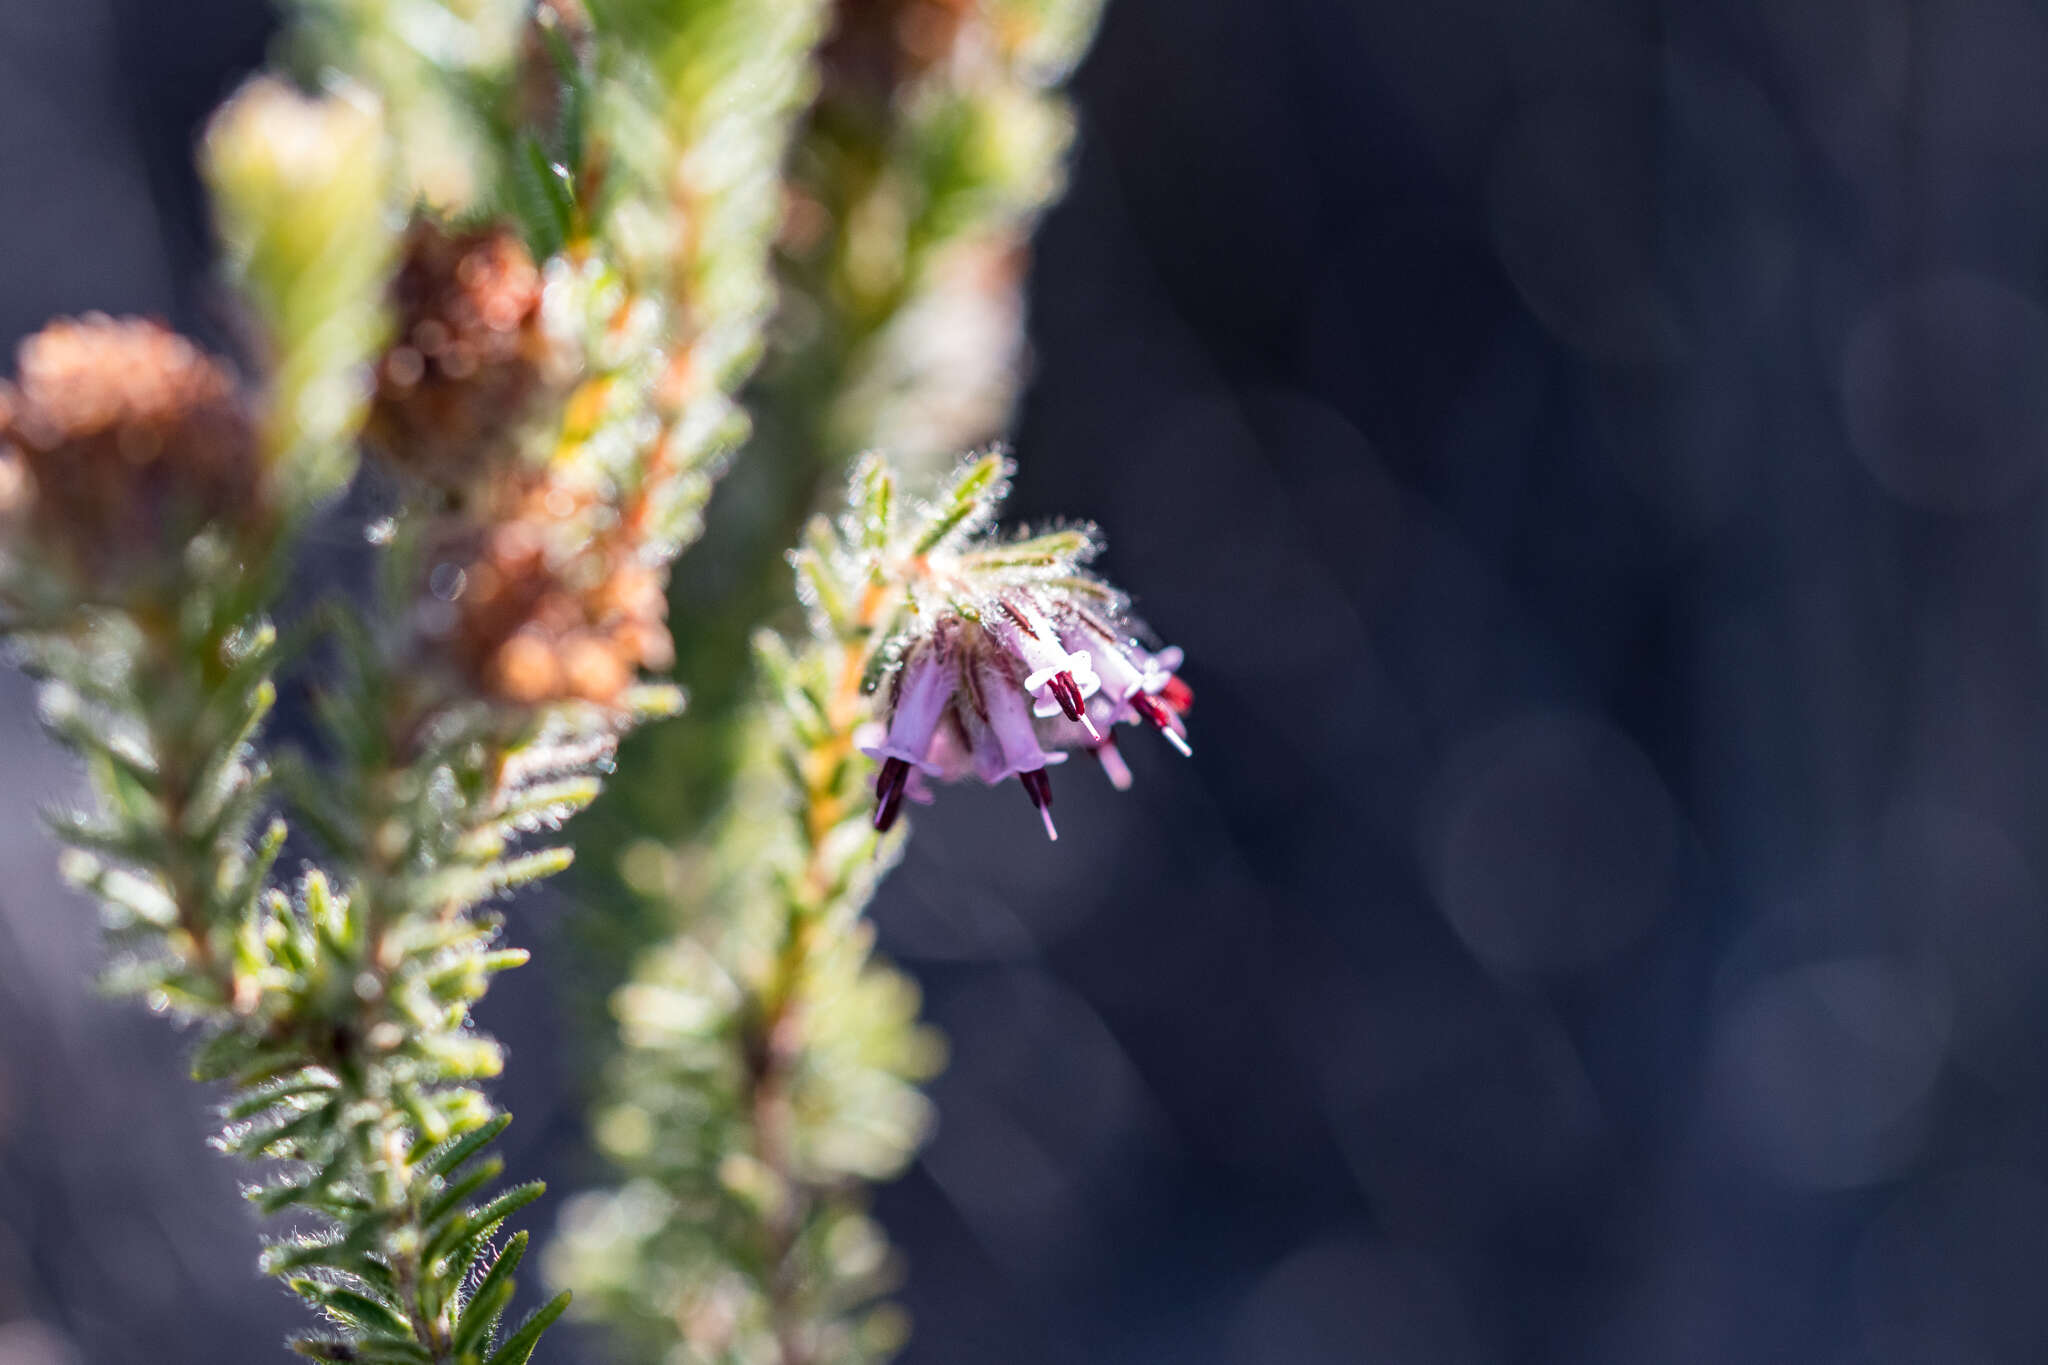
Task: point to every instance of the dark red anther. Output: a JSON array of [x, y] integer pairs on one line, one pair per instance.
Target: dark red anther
[[895, 776], [1039, 788], [1153, 710], [1176, 696], [1068, 693]]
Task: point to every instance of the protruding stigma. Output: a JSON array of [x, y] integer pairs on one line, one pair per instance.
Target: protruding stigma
[[1039, 788], [1113, 765], [895, 776]]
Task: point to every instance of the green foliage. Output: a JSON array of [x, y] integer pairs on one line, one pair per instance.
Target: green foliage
[[162, 708], [336, 1011], [697, 97], [338, 1018], [694, 101], [769, 1065], [899, 327], [299, 190], [442, 70], [926, 189]]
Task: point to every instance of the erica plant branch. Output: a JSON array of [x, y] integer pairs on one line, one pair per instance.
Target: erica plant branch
[[770, 1064], [159, 688], [772, 1033], [526, 258], [520, 253], [938, 136], [157, 506]]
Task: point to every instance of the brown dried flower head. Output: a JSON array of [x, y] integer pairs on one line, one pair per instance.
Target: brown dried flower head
[[542, 613], [124, 440], [470, 359], [879, 46]]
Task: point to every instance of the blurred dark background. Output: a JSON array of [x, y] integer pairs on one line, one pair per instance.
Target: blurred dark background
[[1591, 452]]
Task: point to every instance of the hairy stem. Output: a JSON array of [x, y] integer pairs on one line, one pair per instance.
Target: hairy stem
[[167, 674], [775, 1041]]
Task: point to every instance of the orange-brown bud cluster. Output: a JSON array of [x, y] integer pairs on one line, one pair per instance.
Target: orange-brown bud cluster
[[540, 616], [878, 46], [123, 440], [470, 359]]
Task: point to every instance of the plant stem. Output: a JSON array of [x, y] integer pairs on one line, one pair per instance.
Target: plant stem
[[775, 1042], [172, 688]]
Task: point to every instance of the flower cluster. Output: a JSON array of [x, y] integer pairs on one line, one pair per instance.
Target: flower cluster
[[1004, 696], [1010, 655]]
